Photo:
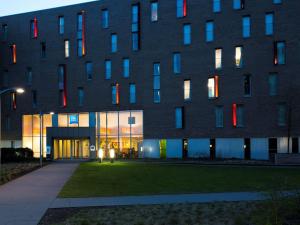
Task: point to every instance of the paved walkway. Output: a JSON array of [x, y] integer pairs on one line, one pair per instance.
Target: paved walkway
[[157, 199], [25, 200]]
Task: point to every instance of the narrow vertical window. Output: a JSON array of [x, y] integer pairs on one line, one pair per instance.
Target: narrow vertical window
[[187, 39], [105, 18], [67, 48], [126, 68], [213, 87], [177, 63], [273, 84], [43, 49], [279, 53], [187, 90], [246, 26], [132, 94], [13, 101], [61, 25], [179, 118], [156, 82], [34, 28], [237, 115], [4, 32], [89, 70], [135, 27], [239, 56], [238, 4], [209, 31], [218, 58], [269, 23], [62, 85], [34, 98], [114, 43], [219, 115], [282, 114], [29, 76], [247, 85], [80, 96], [216, 6], [154, 11], [13, 50], [181, 8], [107, 69], [115, 94], [81, 47]]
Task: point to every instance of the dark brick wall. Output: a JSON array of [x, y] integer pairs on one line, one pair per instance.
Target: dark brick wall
[[158, 41]]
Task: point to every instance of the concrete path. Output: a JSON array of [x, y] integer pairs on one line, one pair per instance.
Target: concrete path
[[158, 199], [25, 200]]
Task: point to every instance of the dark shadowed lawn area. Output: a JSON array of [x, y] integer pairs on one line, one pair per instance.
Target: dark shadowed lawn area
[[93, 179]]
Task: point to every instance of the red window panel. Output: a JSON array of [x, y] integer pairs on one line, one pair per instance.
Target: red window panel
[[83, 34], [14, 53], [117, 94], [35, 28], [184, 8], [234, 116], [14, 100], [216, 86], [65, 87]]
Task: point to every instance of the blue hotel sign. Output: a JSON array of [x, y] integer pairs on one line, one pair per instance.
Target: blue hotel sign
[[73, 119]]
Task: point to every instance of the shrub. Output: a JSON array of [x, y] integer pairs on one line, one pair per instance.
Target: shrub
[[16, 155]]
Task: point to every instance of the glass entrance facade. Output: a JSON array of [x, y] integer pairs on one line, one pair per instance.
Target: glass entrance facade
[[71, 149], [120, 130]]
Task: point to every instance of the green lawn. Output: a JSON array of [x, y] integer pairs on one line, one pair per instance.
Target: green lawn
[[124, 178]]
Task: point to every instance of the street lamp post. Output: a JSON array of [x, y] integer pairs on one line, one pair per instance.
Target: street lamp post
[[2, 92]]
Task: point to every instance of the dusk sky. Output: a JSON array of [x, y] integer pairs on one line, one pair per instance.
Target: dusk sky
[[10, 7]]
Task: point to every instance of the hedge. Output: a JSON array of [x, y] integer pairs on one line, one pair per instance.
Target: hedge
[[16, 155]]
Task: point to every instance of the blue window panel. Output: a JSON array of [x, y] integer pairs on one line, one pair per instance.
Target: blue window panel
[[92, 119], [107, 69], [178, 118], [114, 43], [156, 96], [187, 34], [216, 6], [209, 31], [269, 23], [126, 68], [246, 26], [105, 18], [177, 63], [132, 99]]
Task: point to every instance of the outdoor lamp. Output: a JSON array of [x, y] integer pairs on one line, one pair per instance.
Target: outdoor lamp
[[100, 155], [112, 155], [20, 90]]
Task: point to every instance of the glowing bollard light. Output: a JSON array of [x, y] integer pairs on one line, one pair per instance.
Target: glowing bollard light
[[100, 155], [112, 155]]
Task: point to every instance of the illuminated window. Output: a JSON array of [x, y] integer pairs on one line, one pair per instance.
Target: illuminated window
[[181, 8], [89, 70], [239, 57], [237, 115], [43, 49], [279, 53], [132, 94], [177, 63], [4, 32], [216, 6], [209, 31], [13, 50], [246, 26], [13, 101], [218, 58], [238, 4], [156, 82], [62, 85], [213, 87], [187, 34], [61, 25], [105, 18], [179, 118], [282, 115], [154, 11], [67, 48], [219, 114], [107, 69], [81, 48], [247, 85], [269, 23], [187, 90], [273, 84], [114, 43], [126, 68], [80, 96], [135, 27], [34, 28], [116, 94]]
